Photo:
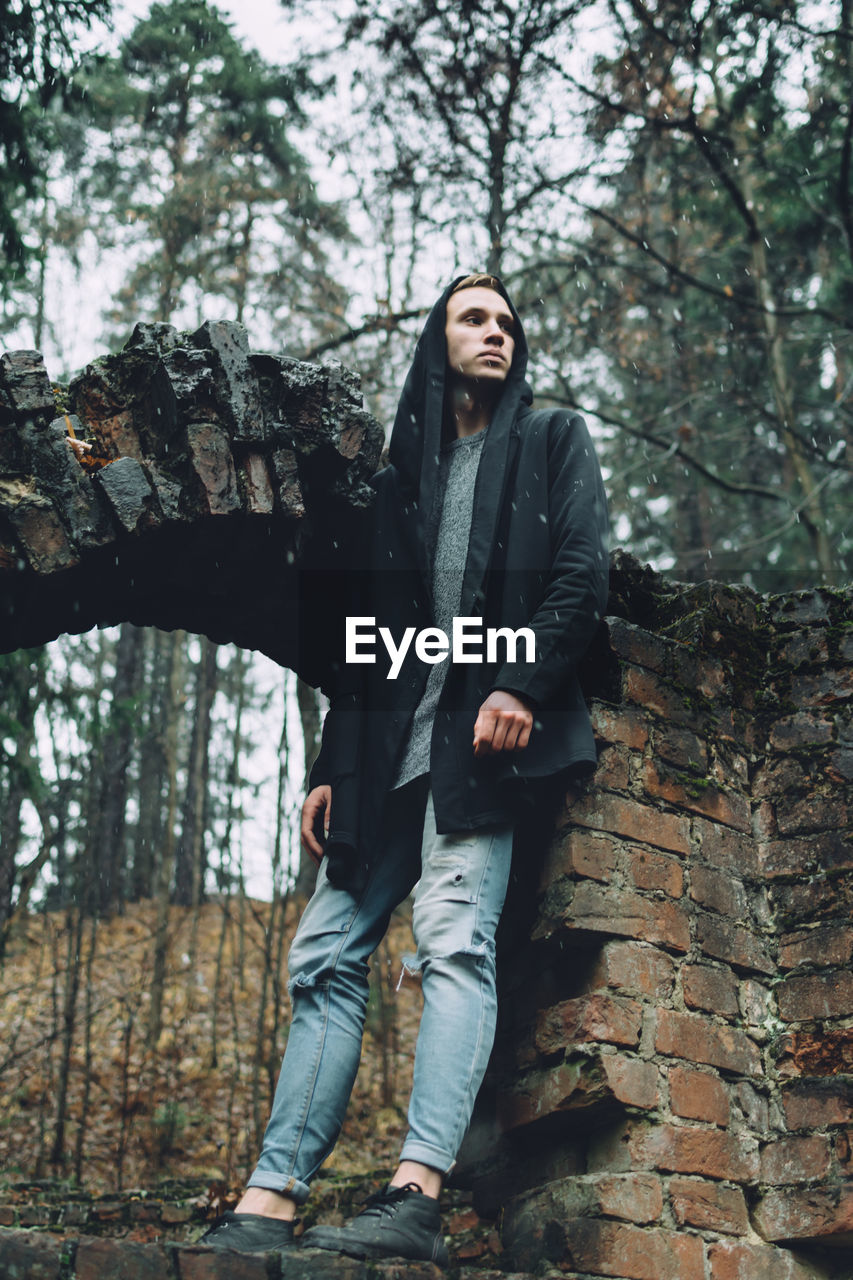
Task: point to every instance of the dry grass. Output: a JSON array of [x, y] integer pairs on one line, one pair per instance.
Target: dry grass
[[192, 1104]]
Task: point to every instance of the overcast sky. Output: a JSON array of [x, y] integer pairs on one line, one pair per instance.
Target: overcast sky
[[260, 22]]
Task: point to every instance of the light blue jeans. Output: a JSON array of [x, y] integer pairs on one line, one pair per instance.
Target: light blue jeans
[[461, 884]]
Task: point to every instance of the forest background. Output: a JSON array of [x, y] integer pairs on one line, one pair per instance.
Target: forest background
[[666, 190]]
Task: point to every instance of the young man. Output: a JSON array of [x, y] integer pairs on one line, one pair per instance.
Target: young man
[[487, 511]]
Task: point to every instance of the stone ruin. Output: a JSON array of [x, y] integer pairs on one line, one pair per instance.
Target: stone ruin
[[671, 1092]]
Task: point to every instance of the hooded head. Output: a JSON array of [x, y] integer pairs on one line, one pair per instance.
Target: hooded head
[[416, 437], [480, 335]]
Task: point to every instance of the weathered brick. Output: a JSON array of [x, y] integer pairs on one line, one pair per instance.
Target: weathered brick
[[823, 689], [25, 1255], [731, 850], [817, 995], [634, 1197], [603, 909], [24, 378], [106, 1259], [754, 1001], [256, 484], [38, 530], [146, 1210], [657, 695], [695, 1038], [619, 725], [803, 855], [778, 776], [844, 1150], [712, 1153], [795, 1159], [108, 1211], [634, 1082], [734, 943], [840, 768], [753, 1106], [742, 1261], [634, 820], [824, 945], [579, 853], [544, 1225], [826, 1053], [313, 1264], [710, 1206], [635, 968], [680, 746], [611, 1019], [212, 461], [712, 988], [807, 607], [569, 1086], [817, 1104], [728, 807], [174, 1213], [648, 870], [764, 821], [635, 1253], [804, 648], [636, 645], [814, 1213], [34, 1215], [698, 1095], [811, 813], [803, 729], [819, 898], [718, 891], [613, 770]]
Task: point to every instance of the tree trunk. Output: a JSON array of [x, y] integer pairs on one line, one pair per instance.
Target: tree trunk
[[177, 642], [190, 861], [153, 772], [114, 764]]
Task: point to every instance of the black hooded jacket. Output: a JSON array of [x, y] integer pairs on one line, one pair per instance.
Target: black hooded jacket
[[537, 558]]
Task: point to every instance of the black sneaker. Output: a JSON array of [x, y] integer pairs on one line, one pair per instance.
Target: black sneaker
[[248, 1233], [397, 1222]]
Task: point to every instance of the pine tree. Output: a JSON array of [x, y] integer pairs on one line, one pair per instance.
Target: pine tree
[[195, 178]]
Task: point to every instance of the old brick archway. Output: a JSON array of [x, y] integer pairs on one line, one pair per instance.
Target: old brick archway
[[671, 1095], [215, 475]]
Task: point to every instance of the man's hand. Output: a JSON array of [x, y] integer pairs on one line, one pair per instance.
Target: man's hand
[[317, 805], [503, 723]]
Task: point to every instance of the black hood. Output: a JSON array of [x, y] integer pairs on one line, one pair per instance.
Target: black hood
[[416, 436]]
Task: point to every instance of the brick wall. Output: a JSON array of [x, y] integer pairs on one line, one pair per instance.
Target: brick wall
[[672, 1090]]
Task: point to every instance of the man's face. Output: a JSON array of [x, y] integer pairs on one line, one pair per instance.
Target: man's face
[[479, 332]]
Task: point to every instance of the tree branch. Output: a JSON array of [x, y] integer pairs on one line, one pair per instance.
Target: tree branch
[[374, 324], [672, 268], [674, 449]]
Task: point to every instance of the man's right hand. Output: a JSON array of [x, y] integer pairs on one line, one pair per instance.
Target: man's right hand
[[317, 805]]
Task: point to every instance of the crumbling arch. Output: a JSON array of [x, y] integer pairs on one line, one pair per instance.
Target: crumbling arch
[[200, 482]]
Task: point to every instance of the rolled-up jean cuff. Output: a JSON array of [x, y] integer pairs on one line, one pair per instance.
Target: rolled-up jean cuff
[[422, 1153], [292, 1187]]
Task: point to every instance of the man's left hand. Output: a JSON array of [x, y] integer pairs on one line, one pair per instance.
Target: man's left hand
[[503, 723]]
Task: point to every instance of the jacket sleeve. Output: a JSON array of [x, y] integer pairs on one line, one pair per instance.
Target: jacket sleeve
[[575, 596], [338, 754]]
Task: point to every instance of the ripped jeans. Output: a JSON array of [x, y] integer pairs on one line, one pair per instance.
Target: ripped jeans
[[461, 885]]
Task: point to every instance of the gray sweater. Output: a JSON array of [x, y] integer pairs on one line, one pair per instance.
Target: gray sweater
[[450, 530]]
